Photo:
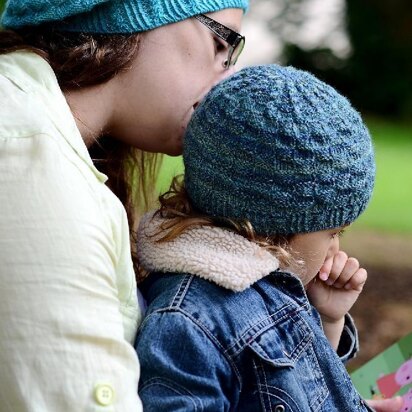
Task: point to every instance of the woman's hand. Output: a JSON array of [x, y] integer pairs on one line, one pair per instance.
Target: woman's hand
[[337, 286]]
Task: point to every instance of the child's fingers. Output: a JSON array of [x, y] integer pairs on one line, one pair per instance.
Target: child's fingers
[[350, 268], [339, 261], [325, 269], [357, 281], [386, 405]]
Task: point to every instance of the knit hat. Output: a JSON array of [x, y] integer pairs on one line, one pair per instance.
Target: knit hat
[[280, 148], [108, 16]]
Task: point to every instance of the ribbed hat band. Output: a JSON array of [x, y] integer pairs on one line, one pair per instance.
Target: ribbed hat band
[[109, 16]]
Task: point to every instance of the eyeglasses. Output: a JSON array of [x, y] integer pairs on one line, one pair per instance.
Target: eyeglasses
[[235, 40]]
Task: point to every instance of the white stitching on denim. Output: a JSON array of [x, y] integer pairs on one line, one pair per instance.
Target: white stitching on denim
[[270, 325], [215, 341], [266, 328], [161, 382], [205, 330], [262, 400], [178, 297], [302, 345], [322, 394], [266, 385], [282, 399]]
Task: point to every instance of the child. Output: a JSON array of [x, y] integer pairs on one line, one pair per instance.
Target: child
[[277, 165]]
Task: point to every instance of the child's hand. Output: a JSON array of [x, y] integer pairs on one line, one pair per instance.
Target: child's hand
[[337, 286], [387, 405]]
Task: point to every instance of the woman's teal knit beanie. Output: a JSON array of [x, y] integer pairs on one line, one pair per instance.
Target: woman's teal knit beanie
[[280, 148], [108, 16]]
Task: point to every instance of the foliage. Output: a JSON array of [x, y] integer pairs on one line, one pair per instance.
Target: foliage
[[377, 74]]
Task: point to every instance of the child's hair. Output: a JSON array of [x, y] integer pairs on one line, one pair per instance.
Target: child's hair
[[271, 152], [179, 215]]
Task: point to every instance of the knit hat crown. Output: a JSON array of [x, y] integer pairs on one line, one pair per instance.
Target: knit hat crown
[[108, 16], [280, 148]]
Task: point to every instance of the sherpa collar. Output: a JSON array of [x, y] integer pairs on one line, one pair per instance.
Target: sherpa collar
[[212, 253]]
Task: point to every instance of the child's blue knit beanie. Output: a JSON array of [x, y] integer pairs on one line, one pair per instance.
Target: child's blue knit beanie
[[108, 16], [280, 148]]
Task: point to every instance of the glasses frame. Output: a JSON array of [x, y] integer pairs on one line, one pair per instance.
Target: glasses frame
[[232, 38]]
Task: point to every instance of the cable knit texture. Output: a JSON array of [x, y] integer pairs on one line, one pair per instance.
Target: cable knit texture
[[212, 253], [109, 16], [280, 148]]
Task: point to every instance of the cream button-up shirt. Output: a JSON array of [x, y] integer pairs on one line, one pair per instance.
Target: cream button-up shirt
[[68, 304]]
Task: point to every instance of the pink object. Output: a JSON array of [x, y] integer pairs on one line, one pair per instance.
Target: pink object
[[387, 385], [390, 384], [403, 375], [407, 402]]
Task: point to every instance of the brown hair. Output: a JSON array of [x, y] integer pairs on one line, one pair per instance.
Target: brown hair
[[83, 60], [180, 215]]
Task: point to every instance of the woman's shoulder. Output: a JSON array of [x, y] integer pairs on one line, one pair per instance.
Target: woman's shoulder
[[21, 114]]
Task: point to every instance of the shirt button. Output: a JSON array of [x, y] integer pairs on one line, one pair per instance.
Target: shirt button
[[104, 394], [280, 408]]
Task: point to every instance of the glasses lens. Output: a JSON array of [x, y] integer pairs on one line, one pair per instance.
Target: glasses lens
[[237, 51]]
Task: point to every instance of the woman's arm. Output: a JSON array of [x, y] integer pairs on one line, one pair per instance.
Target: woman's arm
[[62, 336]]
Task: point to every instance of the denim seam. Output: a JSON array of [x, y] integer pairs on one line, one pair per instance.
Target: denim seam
[[300, 347], [320, 399], [210, 335], [305, 306], [286, 291], [325, 391], [304, 342], [243, 335], [279, 398], [261, 331], [218, 344], [280, 390], [171, 385], [262, 400], [180, 294], [266, 386]]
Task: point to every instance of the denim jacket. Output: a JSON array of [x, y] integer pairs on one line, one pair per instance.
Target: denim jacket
[[212, 341]]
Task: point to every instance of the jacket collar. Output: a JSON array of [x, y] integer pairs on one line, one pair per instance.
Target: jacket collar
[[215, 254]]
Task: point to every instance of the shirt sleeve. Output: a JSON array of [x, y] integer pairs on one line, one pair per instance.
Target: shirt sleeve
[[349, 341], [62, 340], [182, 369]]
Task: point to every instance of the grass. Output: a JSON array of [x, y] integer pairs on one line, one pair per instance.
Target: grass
[[391, 207]]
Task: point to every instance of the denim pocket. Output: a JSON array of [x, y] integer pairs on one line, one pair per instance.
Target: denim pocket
[[286, 366]]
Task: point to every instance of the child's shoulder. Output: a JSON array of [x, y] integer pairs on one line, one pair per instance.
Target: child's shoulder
[[220, 312]]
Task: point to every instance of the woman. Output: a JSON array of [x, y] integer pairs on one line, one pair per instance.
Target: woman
[[101, 80]]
